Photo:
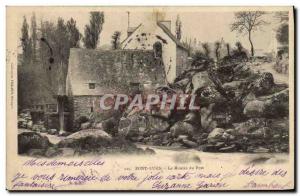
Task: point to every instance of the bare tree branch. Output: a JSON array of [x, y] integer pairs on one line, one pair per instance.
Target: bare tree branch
[[247, 22]]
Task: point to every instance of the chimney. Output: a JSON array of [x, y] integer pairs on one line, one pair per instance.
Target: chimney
[[129, 30], [166, 23], [128, 18]]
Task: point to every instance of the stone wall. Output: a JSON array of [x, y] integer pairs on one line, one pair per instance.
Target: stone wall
[[146, 36], [87, 106], [112, 72]]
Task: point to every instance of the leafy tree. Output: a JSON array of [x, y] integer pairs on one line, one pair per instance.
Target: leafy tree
[[62, 45], [200, 60], [178, 28], [248, 22], [73, 33], [282, 34], [116, 40], [206, 49], [239, 46], [33, 36], [25, 40], [93, 30]]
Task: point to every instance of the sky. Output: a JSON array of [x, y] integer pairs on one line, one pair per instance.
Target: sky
[[204, 25]]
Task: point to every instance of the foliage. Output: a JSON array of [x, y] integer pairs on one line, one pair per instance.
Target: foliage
[[116, 40], [282, 34], [33, 37], [228, 49], [239, 46], [73, 33], [93, 30], [206, 49], [44, 77], [178, 28], [200, 60], [25, 40], [217, 50], [248, 22]]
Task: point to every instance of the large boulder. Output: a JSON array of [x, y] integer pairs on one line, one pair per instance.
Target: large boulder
[[142, 123], [85, 125], [263, 84], [99, 142], [89, 132], [201, 80], [110, 125], [157, 123], [193, 118], [207, 121], [208, 95], [277, 105], [79, 121], [38, 128], [254, 108], [263, 132], [189, 143], [132, 125], [234, 85], [272, 106], [75, 139], [250, 125], [215, 135], [242, 71], [52, 131], [182, 128], [32, 140], [183, 82]]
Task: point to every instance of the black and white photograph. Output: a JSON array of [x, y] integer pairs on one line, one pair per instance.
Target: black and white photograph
[[150, 98]]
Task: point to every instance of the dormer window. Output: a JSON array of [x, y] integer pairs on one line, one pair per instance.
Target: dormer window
[[92, 85]]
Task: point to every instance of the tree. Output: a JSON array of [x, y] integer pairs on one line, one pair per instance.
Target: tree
[[25, 40], [282, 34], [217, 49], [34, 37], [239, 46], [73, 33], [93, 30], [62, 44], [116, 40], [206, 49], [248, 22], [200, 60], [228, 49], [178, 28]]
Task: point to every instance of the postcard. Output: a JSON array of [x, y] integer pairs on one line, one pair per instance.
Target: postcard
[[150, 98]]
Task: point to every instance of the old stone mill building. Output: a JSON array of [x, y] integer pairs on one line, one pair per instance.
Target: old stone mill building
[[149, 56]]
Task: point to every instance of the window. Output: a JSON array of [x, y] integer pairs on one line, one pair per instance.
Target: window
[[92, 85], [157, 47]]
